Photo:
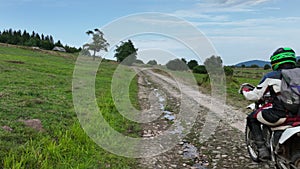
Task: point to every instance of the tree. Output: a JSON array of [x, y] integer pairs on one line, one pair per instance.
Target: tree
[[184, 60], [126, 53], [138, 61], [228, 71], [58, 43], [192, 63], [214, 64], [18, 37], [85, 52], [267, 66], [98, 43], [200, 69], [46, 45], [254, 66], [152, 62], [176, 64]]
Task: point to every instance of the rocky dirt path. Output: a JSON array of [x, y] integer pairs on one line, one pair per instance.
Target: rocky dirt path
[[223, 145]]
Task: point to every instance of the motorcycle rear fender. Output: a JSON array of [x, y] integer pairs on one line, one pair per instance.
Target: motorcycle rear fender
[[288, 133]]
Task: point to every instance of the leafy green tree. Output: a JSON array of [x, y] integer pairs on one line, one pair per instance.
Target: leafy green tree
[[228, 71], [267, 66], [98, 43], [71, 49], [184, 60], [200, 69], [126, 53], [192, 63], [176, 64], [152, 62]]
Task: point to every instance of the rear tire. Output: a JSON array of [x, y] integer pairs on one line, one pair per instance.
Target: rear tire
[[251, 146], [296, 159]]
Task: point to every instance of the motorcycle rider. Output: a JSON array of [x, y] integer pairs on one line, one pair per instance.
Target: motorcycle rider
[[274, 113]]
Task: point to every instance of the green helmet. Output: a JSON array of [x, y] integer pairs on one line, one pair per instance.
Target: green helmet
[[282, 55]]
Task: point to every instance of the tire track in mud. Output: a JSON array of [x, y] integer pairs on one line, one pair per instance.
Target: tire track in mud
[[215, 140]]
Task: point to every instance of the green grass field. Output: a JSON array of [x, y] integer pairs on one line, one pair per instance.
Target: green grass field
[[37, 85]]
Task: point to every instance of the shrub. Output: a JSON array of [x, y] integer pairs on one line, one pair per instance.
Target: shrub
[[191, 64], [152, 62], [176, 64], [228, 71], [200, 69], [267, 66]]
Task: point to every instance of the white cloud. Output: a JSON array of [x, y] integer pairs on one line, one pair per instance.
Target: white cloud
[[233, 4], [206, 9]]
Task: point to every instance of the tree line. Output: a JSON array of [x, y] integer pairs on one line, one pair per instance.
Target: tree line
[[33, 39], [126, 54], [211, 64]]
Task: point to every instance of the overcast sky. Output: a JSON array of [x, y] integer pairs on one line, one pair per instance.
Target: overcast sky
[[239, 30]]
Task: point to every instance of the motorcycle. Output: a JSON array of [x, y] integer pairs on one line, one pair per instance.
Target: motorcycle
[[283, 141]]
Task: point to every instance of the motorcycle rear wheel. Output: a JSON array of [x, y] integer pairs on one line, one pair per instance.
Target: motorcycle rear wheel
[[296, 159], [251, 146]]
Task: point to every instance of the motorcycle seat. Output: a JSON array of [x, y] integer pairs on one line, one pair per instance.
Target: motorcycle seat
[[283, 127]]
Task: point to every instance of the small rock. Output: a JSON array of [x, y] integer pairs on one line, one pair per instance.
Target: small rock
[[242, 158], [147, 135], [203, 148], [198, 166], [7, 128], [215, 152], [33, 123], [224, 156], [180, 152], [173, 166], [181, 143]]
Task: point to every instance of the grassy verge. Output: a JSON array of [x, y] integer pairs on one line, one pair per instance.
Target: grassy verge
[[38, 85]]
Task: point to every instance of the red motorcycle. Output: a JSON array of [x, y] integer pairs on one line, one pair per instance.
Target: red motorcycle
[[282, 141]]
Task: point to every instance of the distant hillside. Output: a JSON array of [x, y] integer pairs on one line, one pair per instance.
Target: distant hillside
[[259, 63]]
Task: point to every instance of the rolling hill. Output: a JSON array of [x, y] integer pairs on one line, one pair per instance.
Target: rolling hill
[[260, 63]]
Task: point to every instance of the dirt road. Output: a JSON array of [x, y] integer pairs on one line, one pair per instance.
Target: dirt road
[[215, 139]]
